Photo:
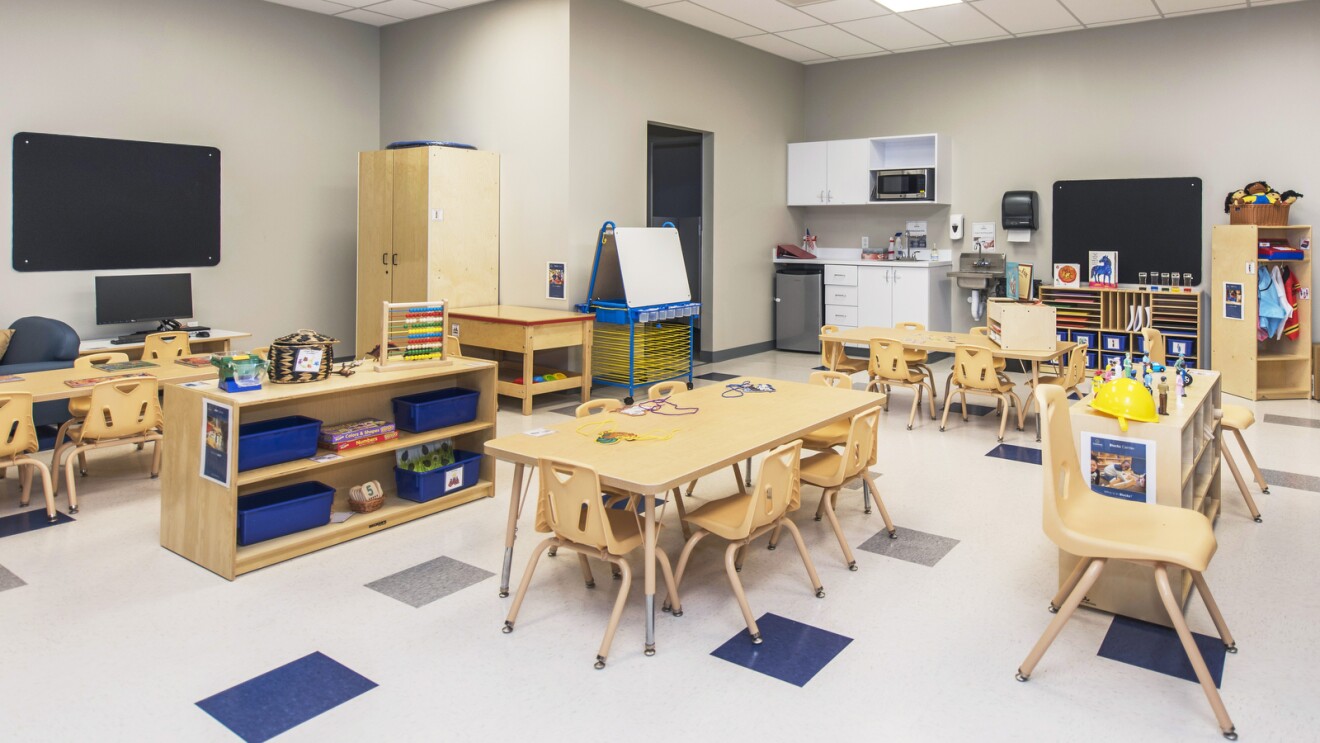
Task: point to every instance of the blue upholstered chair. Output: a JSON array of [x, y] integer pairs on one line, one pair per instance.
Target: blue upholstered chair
[[39, 344]]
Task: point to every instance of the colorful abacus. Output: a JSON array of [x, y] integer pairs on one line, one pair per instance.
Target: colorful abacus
[[412, 333]]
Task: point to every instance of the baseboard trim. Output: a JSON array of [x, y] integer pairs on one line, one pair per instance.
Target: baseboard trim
[[710, 357]]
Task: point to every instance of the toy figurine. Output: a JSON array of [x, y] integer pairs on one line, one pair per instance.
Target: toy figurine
[[1178, 387], [1184, 377], [1164, 395], [1148, 379], [1127, 367]]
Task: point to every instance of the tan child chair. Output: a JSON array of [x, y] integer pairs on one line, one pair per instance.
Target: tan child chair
[[831, 470], [1099, 529], [121, 412], [78, 406], [984, 331], [1154, 342], [743, 517], [915, 357], [18, 439], [1070, 377], [166, 346], [569, 505], [889, 368], [974, 372], [833, 357], [836, 433]]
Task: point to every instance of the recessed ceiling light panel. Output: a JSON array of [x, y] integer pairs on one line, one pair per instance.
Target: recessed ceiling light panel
[[902, 6]]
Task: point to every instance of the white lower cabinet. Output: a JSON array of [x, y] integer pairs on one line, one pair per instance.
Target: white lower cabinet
[[887, 295]]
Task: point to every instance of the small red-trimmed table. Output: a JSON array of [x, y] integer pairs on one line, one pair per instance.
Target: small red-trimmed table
[[525, 330]]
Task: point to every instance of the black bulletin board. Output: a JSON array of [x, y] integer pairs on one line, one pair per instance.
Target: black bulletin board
[[84, 203], [1153, 223]]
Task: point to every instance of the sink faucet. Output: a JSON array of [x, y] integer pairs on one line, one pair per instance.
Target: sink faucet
[[981, 261]]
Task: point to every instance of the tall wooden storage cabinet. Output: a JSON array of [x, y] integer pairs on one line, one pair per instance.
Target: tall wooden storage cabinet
[[428, 228], [1258, 370]]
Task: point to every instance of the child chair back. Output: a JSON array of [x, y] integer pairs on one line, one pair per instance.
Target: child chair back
[[1066, 491], [1075, 373], [831, 379], [109, 357], [591, 407], [165, 346], [777, 487], [981, 330], [859, 452], [18, 435], [1154, 345], [665, 389], [887, 361], [830, 351], [911, 327], [123, 407], [974, 368], [577, 514]]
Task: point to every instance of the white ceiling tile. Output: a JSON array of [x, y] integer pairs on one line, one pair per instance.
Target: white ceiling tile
[[955, 22], [1025, 16], [1000, 37], [1106, 11], [707, 19], [890, 32], [366, 16], [1184, 6], [455, 4], [864, 56], [830, 40], [648, 3], [405, 9], [837, 11], [316, 6], [765, 14], [784, 48], [357, 3]]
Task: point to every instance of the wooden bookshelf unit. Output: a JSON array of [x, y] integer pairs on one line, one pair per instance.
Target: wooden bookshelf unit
[[1094, 315], [198, 517]]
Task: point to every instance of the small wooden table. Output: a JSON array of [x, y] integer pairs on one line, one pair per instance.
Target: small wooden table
[[218, 342], [940, 341], [50, 385], [525, 330], [724, 431]]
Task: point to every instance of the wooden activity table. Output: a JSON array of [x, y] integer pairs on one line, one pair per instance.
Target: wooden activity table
[[217, 342], [525, 330], [725, 430], [50, 385]]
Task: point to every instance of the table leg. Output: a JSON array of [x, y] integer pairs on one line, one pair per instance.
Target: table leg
[[586, 361], [511, 530], [648, 551], [1035, 384], [528, 373]]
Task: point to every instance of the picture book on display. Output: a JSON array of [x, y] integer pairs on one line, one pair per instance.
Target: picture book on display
[[1067, 275], [1102, 269]]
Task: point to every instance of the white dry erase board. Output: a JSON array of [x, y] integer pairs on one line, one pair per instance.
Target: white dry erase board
[[651, 261]]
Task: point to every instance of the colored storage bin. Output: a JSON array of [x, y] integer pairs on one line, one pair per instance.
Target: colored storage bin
[[277, 440], [1107, 358], [1061, 334], [1092, 360], [1088, 338], [421, 487], [282, 511], [426, 411], [1113, 342], [1175, 347]]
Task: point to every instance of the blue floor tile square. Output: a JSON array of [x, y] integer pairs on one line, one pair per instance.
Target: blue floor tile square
[[262, 708], [1157, 648], [717, 376], [31, 519], [1015, 453], [792, 651]]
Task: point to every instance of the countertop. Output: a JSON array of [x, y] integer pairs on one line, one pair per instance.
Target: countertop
[[881, 264]]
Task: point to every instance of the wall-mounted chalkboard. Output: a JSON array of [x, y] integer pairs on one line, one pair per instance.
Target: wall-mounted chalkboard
[[1153, 223], [83, 203]]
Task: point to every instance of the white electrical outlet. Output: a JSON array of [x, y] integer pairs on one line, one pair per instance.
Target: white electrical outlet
[[866, 242]]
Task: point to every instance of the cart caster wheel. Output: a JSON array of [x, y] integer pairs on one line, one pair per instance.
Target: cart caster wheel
[[820, 593], [689, 385], [852, 566], [504, 594], [650, 651], [1231, 734], [600, 662], [756, 639], [893, 534], [1021, 677], [627, 401], [1053, 609], [507, 628], [1230, 648]]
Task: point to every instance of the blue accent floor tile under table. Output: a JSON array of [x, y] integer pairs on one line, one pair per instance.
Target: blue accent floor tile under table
[[33, 518], [1157, 648], [791, 651], [1015, 453]]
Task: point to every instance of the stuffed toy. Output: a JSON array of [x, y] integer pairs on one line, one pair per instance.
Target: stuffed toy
[[1259, 192]]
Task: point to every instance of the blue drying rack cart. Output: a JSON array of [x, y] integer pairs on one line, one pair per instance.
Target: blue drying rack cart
[[636, 345]]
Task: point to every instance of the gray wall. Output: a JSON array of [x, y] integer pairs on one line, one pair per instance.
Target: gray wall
[[495, 76], [288, 97], [1230, 97]]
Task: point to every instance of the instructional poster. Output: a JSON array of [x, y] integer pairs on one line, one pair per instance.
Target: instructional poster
[[1232, 300], [983, 236], [556, 283], [217, 441], [1121, 467]]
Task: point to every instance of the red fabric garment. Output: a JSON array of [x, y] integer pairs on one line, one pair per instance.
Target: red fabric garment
[[1292, 327]]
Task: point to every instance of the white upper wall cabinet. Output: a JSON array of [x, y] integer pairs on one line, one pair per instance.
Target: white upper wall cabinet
[[838, 172]]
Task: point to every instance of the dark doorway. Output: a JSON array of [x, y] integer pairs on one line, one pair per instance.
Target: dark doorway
[[677, 192]]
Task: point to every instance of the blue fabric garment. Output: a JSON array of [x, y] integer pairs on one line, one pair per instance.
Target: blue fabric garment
[[1272, 312]]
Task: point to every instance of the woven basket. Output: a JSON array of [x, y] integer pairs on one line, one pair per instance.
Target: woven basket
[[359, 500], [1264, 215], [366, 506], [284, 354]]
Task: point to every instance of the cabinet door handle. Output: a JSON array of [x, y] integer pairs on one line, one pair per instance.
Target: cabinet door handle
[[829, 196], [384, 259], [395, 259]]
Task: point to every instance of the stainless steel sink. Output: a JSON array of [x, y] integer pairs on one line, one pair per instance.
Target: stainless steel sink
[[979, 271]]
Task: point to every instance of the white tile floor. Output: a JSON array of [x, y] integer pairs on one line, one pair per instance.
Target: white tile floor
[[114, 638]]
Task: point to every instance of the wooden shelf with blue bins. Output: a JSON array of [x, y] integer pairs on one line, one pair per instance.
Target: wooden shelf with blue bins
[[199, 516], [1099, 318]]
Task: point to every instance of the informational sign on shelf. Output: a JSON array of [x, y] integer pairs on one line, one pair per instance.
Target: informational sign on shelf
[[217, 441], [1120, 467]]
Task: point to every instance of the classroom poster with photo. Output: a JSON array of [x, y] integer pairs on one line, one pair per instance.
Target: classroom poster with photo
[[1120, 467], [217, 441], [1232, 300], [556, 283]]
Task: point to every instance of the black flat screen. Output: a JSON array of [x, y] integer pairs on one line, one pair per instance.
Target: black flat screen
[[82, 203], [160, 296]]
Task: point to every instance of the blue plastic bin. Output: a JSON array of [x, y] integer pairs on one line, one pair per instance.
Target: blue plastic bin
[[426, 411], [1088, 338], [275, 513], [1092, 360], [421, 487], [1114, 342], [1175, 347], [264, 443]]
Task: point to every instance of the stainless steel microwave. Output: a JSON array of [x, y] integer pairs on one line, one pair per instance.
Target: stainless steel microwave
[[909, 185]]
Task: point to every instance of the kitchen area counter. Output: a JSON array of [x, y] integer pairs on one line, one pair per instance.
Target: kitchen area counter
[[888, 264]]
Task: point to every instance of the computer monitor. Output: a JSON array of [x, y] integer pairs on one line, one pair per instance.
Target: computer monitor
[[143, 298]]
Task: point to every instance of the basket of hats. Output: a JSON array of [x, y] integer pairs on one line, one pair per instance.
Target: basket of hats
[[304, 356], [1258, 204]]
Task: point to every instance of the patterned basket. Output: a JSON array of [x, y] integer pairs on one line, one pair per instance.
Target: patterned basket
[[304, 356], [1264, 215]]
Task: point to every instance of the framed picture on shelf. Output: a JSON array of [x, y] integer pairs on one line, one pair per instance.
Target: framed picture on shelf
[[1102, 269], [1068, 275]]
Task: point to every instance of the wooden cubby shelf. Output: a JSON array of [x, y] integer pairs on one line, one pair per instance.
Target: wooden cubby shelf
[[199, 516], [1086, 314]]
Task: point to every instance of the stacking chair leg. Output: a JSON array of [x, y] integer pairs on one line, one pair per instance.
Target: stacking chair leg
[[1241, 483], [586, 571], [827, 506], [1189, 645], [930, 401], [526, 581], [1088, 579], [774, 536], [1003, 418], [616, 614], [682, 513], [739, 557], [806, 556], [916, 403], [1068, 585], [1212, 607], [948, 400], [1251, 461], [683, 561], [962, 402], [738, 593], [25, 478], [671, 583], [82, 462], [868, 483]]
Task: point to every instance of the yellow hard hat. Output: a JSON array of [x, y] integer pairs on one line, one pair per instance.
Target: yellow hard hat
[[1126, 398]]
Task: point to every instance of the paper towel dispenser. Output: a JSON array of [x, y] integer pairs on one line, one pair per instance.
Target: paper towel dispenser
[[1020, 210]]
